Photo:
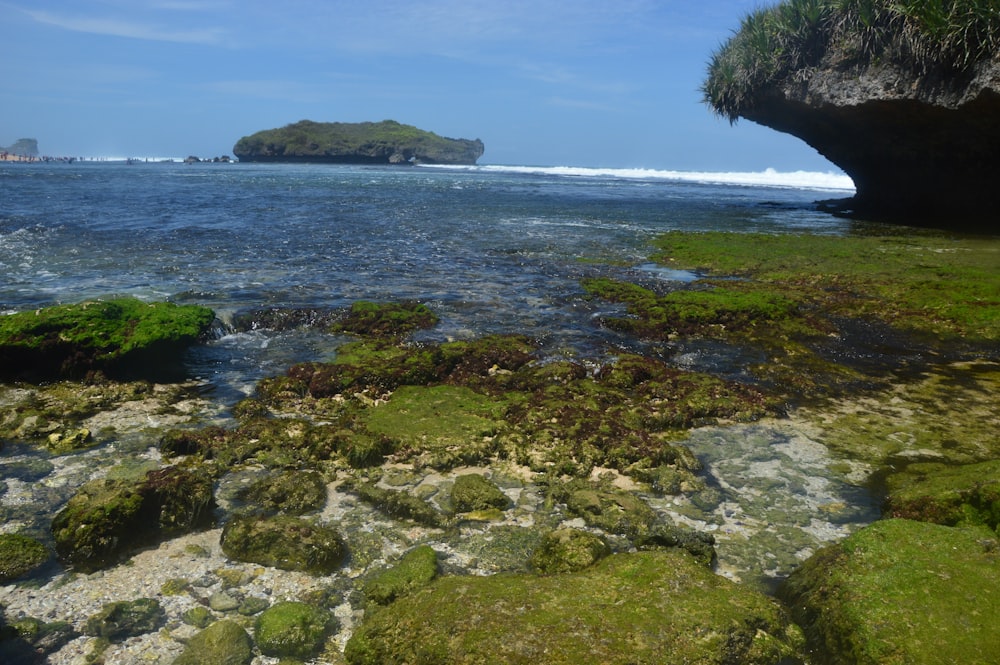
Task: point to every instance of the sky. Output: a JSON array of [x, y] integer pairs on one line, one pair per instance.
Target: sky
[[590, 83]]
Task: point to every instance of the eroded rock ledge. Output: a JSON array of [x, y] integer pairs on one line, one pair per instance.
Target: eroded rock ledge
[[923, 150], [903, 95]]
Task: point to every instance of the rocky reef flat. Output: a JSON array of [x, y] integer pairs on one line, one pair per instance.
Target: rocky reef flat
[[407, 498]]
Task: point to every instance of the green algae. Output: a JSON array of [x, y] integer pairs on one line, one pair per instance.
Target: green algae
[[475, 492], [108, 518], [934, 284], [19, 555], [123, 336], [442, 426], [415, 570], [397, 504], [285, 542], [948, 414], [223, 643], [468, 403], [648, 607], [901, 591], [289, 492], [964, 495], [567, 551], [121, 620], [292, 630]]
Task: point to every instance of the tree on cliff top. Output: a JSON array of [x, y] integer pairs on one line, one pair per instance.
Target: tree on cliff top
[[921, 36]]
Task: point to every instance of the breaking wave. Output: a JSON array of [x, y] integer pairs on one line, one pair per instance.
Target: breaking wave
[[767, 178]]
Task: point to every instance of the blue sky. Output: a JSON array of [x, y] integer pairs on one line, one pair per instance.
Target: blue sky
[[541, 82]]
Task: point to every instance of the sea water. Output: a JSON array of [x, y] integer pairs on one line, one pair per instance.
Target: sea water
[[491, 249]]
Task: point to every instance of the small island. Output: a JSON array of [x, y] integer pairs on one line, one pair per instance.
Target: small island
[[386, 142]]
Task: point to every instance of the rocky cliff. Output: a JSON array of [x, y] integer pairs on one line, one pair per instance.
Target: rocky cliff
[[386, 142], [907, 107]]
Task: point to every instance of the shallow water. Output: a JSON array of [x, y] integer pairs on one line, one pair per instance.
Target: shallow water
[[489, 250]]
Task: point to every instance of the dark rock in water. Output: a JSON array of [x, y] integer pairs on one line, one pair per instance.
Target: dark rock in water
[[901, 591], [285, 542], [289, 492], [108, 518], [647, 607], [122, 338], [386, 142], [568, 550], [118, 621], [903, 99], [475, 492], [30, 641], [698, 544]]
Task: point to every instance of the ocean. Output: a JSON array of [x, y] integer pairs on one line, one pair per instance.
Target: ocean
[[489, 248]]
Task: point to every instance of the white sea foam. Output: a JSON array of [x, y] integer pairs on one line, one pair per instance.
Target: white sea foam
[[767, 178]]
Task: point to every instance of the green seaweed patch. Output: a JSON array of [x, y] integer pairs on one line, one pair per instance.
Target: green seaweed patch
[[628, 608], [439, 426], [901, 591], [468, 403], [293, 630], [948, 415], [415, 570], [937, 285], [120, 337], [739, 308], [386, 319], [951, 495], [20, 555]]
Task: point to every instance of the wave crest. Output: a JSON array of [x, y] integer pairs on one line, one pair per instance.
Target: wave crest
[[767, 178]]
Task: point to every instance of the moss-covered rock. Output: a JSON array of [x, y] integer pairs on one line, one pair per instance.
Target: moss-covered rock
[[285, 542], [629, 608], [292, 630], [28, 640], [611, 509], [123, 619], [19, 555], [415, 570], [120, 337], [901, 591], [223, 643], [107, 518], [289, 492], [398, 504], [473, 491], [568, 550], [949, 495]]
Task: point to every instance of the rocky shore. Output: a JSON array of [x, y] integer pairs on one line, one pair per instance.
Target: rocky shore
[[582, 510]]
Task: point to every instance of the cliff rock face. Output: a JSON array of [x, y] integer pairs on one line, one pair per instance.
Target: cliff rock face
[[920, 149], [386, 142], [904, 95]]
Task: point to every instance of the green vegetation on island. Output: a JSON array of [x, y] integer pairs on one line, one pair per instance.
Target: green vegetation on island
[[386, 142]]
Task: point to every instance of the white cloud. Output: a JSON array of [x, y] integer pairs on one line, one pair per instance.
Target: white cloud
[[114, 27]]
